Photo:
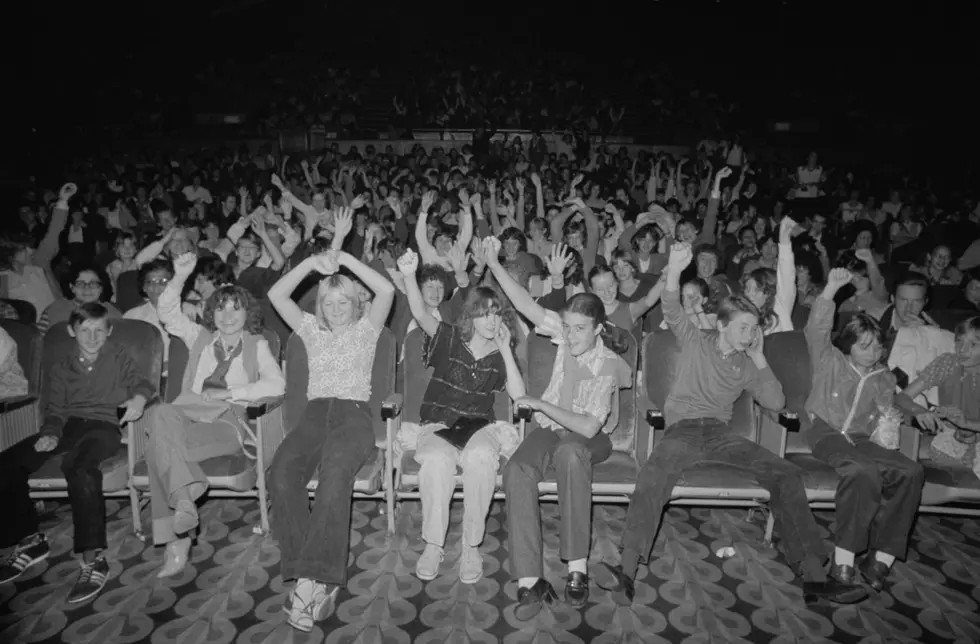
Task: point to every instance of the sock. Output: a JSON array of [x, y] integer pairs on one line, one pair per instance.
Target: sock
[[885, 558], [629, 562], [527, 582], [578, 565], [843, 557]]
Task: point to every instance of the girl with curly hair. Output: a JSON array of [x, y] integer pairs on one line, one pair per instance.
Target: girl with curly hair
[[229, 364]]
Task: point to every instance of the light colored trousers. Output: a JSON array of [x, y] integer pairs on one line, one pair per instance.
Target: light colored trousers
[[479, 460], [176, 445]]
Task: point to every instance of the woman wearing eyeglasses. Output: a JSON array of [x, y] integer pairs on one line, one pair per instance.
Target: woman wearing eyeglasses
[[88, 283]]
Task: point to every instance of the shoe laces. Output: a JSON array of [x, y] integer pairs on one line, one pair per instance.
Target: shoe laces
[[89, 572]]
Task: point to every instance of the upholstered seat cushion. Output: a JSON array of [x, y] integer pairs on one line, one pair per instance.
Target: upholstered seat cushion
[[819, 478], [115, 473], [369, 478], [410, 472]]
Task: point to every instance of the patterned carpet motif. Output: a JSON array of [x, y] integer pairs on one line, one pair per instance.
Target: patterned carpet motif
[[232, 592]]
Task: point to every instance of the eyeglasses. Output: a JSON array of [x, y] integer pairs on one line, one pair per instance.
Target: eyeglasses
[[162, 281], [83, 285]]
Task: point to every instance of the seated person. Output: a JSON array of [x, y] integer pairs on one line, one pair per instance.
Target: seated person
[[336, 432], [472, 360], [575, 416], [854, 428], [12, 380], [713, 369], [85, 389], [88, 283], [229, 364], [955, 375]]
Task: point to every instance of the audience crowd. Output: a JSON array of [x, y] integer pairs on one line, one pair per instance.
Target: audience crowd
[[480, 250]]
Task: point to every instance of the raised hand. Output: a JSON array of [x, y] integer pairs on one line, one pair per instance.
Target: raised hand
[[680, 257], [723, 174], [408, 263], [476, 252], [326, 263], [865, 255], [464, 197], [491, 250], [786, 228], [276, 181], [427, 201], [535, 179], [459, 259], [357, 203], [837, 278], [558, 260], [185, 264], [343, 221], [67, 191]]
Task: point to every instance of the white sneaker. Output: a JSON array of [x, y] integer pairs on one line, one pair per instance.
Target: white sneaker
[[310, 603], [427, 567], [470, 565]]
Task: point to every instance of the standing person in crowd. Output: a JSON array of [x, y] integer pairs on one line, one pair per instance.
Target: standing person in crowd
[[84, 390], [713, 370], [574, 416], [472, 361], [336, 432], [853, 427], [229, 365]]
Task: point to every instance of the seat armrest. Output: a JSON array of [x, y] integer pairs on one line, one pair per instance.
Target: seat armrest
[[258, 408], [655, 419], [523, 412], [391, 406], [789, 420], [16, 402]]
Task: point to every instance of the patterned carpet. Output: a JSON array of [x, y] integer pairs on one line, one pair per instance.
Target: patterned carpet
[[232, 592]]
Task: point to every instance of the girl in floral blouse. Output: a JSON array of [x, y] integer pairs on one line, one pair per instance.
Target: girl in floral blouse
[[957, 376]]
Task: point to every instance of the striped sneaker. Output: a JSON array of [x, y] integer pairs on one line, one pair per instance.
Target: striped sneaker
[[91, 580], [31, 550]]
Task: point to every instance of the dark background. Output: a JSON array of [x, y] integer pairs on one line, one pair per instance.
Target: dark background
[[913, 65]]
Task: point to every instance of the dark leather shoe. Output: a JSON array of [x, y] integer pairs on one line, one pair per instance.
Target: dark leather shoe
[[613, 579], [530, 600], [834, 591], [844, 574], [577, 589], [874, 572]]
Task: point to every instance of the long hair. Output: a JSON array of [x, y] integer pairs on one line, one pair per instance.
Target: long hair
[[481, 301], [242, 299], [590, 306], [765, 279]]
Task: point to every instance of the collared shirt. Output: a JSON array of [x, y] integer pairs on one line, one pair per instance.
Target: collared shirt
[[599, 373]]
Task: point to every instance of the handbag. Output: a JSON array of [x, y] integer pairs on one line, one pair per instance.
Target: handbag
[[462, 430]]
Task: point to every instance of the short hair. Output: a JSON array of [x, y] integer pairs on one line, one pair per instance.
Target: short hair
[[214, 270], [643, 231], [90, 311], [433, 273], [711, 249], [621, 255], [857, 327], [731, 305], [158, 264], [514, 233], [911, 278], [967, 326], [590, 306], [88, 266], [242, 299]]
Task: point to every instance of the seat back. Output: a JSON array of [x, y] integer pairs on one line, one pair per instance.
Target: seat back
[[26, 312], [415, 380], [789, 358], [949, 318], [541, 355], [660, 355], [141, 340], [128, 291], [179, 356], [297, 373], [30, 348]]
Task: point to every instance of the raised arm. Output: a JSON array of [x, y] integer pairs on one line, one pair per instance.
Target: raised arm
[[383, 289], [408, 264], [280, 295], [785, 275], [674, 315], [48, 249], [707, 235], [821, 321], [518, 296], [639, 308], [169, 308]]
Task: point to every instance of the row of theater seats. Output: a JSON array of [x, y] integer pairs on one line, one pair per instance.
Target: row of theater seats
[[950, 487]]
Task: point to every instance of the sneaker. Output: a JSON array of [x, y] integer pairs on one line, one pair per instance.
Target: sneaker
[[470, 565], [427, 567], [311, 603], [29, 551], [91, 580]]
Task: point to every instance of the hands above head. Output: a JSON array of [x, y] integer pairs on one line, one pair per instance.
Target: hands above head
[[491, 251], [185, 264], [837, 279], [680, 257], [326, 263], [408, 263]]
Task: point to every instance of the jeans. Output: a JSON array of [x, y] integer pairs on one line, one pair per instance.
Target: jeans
[[83, 445], [878, 490], [175, 447], [337, 436], [707, 440], [572, 456], [479, 461]]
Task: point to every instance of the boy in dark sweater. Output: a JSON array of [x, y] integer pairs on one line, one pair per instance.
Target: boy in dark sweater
[[85, 388]]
